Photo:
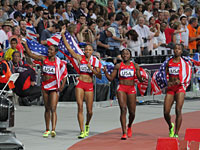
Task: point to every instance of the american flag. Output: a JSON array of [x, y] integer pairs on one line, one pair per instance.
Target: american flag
[[142, 86], [159, 79], [37, 48], [31, 32], [93, 60], [54, 40]]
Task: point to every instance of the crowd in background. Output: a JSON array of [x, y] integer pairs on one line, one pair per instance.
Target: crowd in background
[[146, 27]]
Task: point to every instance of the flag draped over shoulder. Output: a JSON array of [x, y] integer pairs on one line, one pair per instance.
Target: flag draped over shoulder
[[142, 86], [31, 32], [159, 79], [61, 69], [93, 60]]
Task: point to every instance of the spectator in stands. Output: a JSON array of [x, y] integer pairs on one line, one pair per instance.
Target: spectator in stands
[[47, 33], [172, 5], [93, 36], [188, 13], [5, 74], [131, 6], [10, 51], [114, 41], [17, 17], [162, 39], [111, 17], [72, 29], [6, 27], [30, 29], [46, 3], [102, 44], [134, 17], [44, 23], [111, 7], [184, 35], [81, 21], [75, 8], [177, 38], [28, 9], [68, 14], [141, 8], [156, 4], [17, 7], [83, 36], [193, 38], [59, 11], [3, 15], [144, 33], [148, 11], [25, 86], [134, 43], [126, 92], [160, 17], [17, 35], [83, 8], [51, 74], [22, 25], [180, 11]]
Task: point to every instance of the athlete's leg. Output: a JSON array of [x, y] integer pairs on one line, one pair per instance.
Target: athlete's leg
[[89, 105], [47, 109], [54, 101], [179, 105], [168, 102], [122, 99], [131, 102], [79, 93]]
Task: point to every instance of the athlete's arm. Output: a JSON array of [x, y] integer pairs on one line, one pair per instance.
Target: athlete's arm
[[138, 73], [62, 84], [96, 71], [71, 51], [113, 74], [30, 54]]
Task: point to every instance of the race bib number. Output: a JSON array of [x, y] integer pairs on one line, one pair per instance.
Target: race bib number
[[49, 69], [126, 73], [84, 68], [174, 70]]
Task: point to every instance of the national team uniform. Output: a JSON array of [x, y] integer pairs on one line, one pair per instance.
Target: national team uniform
[[127, 73], [174, 70], [86, 86], [57, 70]]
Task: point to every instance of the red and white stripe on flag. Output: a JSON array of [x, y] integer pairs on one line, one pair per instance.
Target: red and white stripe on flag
[[54, 40], [155, 89], [142, 86]]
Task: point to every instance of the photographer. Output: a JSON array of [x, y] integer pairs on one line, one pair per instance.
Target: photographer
[[144, 33], [5, 74]]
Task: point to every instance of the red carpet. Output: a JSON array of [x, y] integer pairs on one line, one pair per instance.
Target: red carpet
[[145, 135]]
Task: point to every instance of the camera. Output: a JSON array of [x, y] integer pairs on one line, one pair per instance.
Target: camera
[[145, 39], [86, 30]]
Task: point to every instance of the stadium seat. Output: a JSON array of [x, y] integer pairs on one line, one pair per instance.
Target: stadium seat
[[167, 144]]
